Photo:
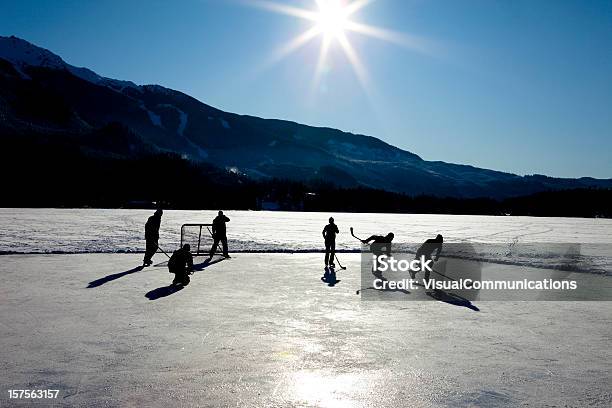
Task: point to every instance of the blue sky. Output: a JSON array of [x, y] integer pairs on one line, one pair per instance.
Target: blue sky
[[520, 86]]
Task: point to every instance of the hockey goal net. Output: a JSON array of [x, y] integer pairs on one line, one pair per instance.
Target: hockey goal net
[[198, 236]]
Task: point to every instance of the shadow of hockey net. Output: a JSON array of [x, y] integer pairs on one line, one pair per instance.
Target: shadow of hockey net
[[199, 237]]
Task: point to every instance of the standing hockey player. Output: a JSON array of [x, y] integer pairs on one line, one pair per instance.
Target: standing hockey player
[[219, 232], [329, 235], [181, 264], [152, 236]]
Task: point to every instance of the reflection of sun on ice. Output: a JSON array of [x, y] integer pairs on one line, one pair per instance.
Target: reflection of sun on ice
[[312, 388], [332, 18]]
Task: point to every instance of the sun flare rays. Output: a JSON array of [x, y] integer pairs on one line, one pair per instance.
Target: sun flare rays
[[331, 21]]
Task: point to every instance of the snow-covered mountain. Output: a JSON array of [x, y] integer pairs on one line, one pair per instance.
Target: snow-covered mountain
[[23, 54], [40, 92]]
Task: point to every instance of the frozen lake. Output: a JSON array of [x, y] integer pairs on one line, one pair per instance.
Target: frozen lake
[[122, 230], [262, 330]]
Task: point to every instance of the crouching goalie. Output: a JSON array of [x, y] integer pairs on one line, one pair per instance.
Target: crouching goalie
[[181, 264]]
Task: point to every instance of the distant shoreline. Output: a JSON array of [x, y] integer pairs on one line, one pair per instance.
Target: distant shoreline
[[577, 203]]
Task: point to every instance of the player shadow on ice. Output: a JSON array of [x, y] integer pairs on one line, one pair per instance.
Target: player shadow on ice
[[112, 277], [329, 277], [207, 262], [171, 289], [379, 275], [404, 291], [452, 299], [163, 291]]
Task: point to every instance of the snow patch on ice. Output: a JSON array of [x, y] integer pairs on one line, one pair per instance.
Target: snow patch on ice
[[272, 143]]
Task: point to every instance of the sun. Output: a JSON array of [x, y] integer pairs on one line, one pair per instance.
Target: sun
[[332, 18]]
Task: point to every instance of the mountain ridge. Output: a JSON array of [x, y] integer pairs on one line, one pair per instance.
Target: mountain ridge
[[47, 93]]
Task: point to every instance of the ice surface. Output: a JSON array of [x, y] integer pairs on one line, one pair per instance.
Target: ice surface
[[122, 230], [262, 330]]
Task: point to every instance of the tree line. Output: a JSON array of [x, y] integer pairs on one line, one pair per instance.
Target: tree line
[[112, 168]]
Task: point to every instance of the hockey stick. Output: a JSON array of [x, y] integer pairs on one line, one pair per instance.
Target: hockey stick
[[441, 274], [339, 264], [360, 290], [164, 252], [213, 237], [356, 237]]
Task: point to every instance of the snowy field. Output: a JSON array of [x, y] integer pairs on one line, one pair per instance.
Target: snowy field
[[31, 231], [102, 231]]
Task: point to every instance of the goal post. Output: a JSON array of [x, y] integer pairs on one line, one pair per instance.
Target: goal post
[[198, 236]]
